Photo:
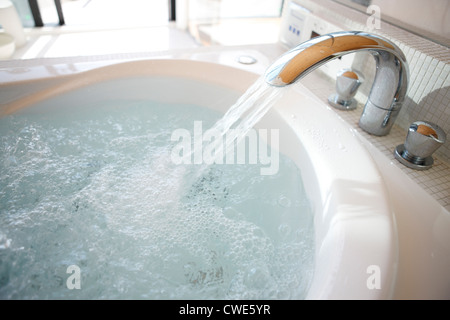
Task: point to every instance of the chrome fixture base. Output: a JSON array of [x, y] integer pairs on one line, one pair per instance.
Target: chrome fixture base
[[334, 101], [401, 155]]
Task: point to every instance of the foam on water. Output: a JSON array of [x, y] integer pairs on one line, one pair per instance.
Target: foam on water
[[95, 187]]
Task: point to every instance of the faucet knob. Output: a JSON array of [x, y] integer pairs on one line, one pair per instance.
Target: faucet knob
[[422, 140], [347, 83]]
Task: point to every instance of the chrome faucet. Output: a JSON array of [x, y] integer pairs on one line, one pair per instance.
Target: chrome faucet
[[389, 86]]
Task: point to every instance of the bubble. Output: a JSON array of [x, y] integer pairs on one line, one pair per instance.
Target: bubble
[[102, 193], [284, 231], [257, 277], [232, 213], [284, 201]]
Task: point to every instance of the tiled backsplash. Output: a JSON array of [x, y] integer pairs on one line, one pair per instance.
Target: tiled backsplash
[[434, 181], [428, 95]]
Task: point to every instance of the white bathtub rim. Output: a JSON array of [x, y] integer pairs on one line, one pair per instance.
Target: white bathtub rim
[[335, 244]]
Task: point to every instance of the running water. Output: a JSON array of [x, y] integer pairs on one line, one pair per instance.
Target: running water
[[92, 185], [247, 112], [234, 126], [256, 101]]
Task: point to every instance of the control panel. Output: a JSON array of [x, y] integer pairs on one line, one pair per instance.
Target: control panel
[[295, 25]]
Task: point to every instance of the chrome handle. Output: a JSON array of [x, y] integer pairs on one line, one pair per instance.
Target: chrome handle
[[347, 84], [422, 140]]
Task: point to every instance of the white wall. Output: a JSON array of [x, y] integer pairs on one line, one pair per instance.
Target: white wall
[[429, 15]]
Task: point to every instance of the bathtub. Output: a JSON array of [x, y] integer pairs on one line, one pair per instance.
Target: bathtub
[[355, 236]]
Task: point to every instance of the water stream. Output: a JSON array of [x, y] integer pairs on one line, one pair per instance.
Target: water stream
[[223, 138]]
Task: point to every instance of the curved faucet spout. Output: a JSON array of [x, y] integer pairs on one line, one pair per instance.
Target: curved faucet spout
[[391, 79]]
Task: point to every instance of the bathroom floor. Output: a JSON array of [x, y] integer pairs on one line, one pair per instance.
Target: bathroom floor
[[99, 27]]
